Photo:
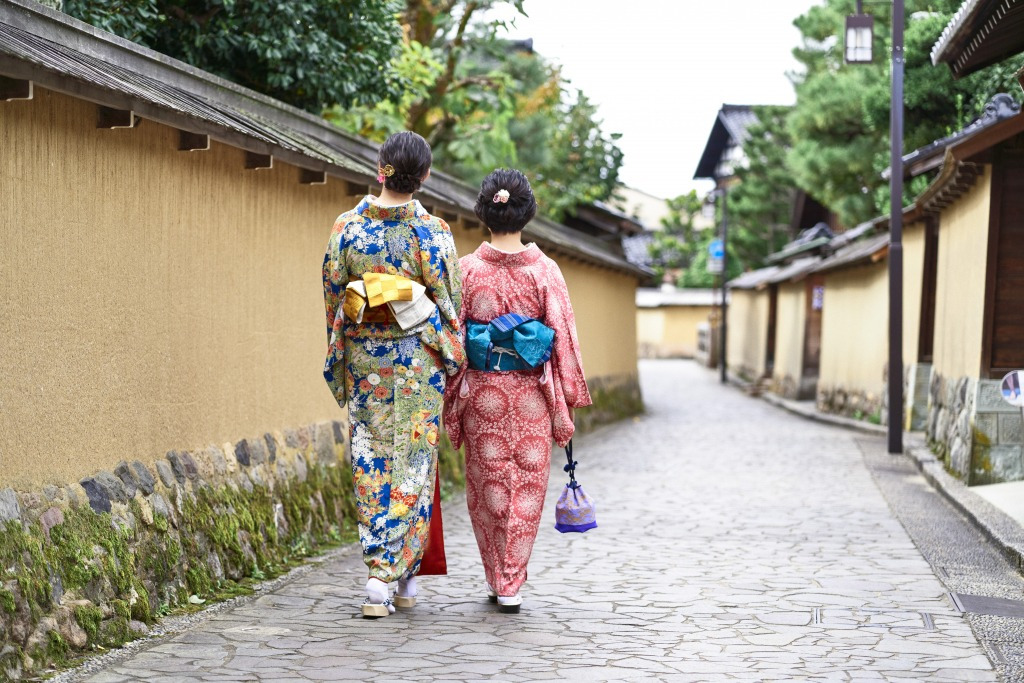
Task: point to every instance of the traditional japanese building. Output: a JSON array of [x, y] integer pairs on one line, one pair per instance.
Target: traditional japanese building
[[668, 320]]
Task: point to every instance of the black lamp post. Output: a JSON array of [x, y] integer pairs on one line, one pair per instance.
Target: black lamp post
[[858, 51], [723, 324]]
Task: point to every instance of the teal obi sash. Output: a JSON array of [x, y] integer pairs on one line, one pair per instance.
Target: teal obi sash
[[509, 342]]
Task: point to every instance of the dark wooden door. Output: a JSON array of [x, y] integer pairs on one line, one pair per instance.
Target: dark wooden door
[[773, 307], [926, 330], [812, 328], [1005, 286]]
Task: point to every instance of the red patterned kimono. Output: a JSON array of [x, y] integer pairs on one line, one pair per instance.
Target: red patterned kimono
[[508, 419]]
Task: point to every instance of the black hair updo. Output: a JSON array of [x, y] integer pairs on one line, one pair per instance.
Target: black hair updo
[[409, 154], [510, 216]]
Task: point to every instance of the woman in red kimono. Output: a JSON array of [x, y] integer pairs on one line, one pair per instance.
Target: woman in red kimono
[[508, 418]]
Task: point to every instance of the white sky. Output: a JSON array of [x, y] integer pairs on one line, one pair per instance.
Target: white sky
[[660, 69]]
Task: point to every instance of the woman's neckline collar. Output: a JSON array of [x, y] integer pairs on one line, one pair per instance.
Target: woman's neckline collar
[[370, 208], [530, 255]]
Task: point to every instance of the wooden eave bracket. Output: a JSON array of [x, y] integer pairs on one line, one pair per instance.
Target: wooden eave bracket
[[955, 178], [110, 118], [256, 162], [357, 189], [15, 89], [311, 177], [192, 142]]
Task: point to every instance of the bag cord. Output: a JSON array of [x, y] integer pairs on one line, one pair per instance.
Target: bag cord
[[571, 467]]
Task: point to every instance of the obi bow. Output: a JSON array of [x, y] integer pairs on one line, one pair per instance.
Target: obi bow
[[406, 298], [509, 342]]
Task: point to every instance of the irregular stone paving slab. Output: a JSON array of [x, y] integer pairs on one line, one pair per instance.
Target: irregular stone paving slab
[[736, 542]]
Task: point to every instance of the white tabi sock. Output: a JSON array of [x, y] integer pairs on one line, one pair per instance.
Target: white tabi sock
[[407, 587], [377, 593]]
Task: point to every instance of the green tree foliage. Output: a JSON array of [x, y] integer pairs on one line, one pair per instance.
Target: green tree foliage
[[840, 124], [483, 102], [679, 250], [672, 247], [309, 53], [761, 205]]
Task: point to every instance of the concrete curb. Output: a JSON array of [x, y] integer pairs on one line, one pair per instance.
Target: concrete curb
[[812, 413], [999, 528]]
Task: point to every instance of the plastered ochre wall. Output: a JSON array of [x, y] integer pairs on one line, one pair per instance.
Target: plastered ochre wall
[[604, 302], [747, 337], [151, 299], [670, 331], [960, 284], [854, 325], [789, 330]]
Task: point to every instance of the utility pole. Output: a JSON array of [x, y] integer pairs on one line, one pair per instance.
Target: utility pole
[[895, 426]]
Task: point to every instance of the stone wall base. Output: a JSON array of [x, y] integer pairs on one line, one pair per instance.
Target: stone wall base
[[93, 563], [857, 404], [978, 435], [614, 398], [797, 389], [916, 383]]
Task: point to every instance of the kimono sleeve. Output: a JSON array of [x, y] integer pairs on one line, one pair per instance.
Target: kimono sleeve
[[454, 401], [443, 279], [335, 277], [567, 362], [567, 383]]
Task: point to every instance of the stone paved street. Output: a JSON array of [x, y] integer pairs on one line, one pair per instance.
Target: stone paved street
[[736, 542]]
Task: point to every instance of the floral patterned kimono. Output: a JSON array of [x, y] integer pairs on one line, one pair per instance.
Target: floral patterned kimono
[[391, 379], [508, 419]]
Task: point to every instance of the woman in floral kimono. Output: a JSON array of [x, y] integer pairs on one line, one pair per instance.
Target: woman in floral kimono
[[520, 387], [392, 292]]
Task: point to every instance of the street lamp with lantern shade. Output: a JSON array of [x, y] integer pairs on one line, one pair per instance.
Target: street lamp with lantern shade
[[858, 51], [860, 35]]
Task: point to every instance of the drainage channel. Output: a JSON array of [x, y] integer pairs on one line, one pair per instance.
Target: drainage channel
[[984, 604]]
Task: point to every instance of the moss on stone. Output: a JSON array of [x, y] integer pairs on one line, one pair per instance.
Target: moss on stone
[[121, 608], [141, 609], [57, 649], [198, 579], [614, 399], [115, 632], [7, 603], [89, 617]]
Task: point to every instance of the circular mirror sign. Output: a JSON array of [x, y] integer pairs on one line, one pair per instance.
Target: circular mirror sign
[[1013, 388]]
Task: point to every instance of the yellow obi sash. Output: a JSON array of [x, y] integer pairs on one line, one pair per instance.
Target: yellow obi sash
[[371, 299]]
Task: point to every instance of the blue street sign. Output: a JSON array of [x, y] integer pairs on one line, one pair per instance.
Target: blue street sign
[[716, 249]]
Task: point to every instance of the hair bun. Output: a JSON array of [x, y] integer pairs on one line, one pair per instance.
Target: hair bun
[[409, 157], [505, 203]]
